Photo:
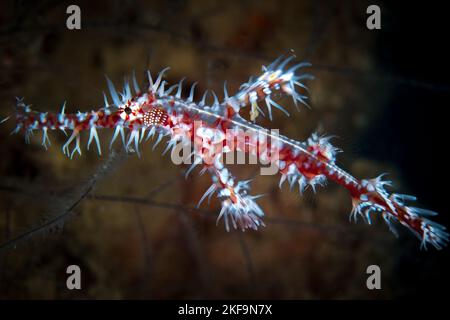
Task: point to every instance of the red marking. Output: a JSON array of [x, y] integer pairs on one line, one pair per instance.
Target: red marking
[[229, 112], [319, 152]]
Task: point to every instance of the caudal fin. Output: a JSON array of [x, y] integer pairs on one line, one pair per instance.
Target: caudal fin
[[373, 197]]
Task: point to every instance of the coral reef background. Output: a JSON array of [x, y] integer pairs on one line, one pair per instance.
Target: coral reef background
[[132, 226]]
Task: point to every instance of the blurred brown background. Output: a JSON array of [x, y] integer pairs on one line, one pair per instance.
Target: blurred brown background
[[133, 228]]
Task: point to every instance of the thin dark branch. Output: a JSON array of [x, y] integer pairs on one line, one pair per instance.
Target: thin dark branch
[[339, 230], [247, 258], [158, 189], [61, 218], [146, 251], [49, 223], [203, 212], [194, 246]]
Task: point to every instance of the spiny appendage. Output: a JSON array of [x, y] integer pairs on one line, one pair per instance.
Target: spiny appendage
[[373, 197], [29, 121], [238, 207], [320, 146], [303, 169], [136, 112], [125, 112], [274, 80], [150, 110]]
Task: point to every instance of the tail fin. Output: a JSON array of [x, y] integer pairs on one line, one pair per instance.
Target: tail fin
[[372, 196]]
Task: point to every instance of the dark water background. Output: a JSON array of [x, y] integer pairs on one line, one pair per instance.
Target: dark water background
[[384, 94], [415, 122]]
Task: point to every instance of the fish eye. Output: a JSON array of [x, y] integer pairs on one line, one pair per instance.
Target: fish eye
[[127, 110]]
